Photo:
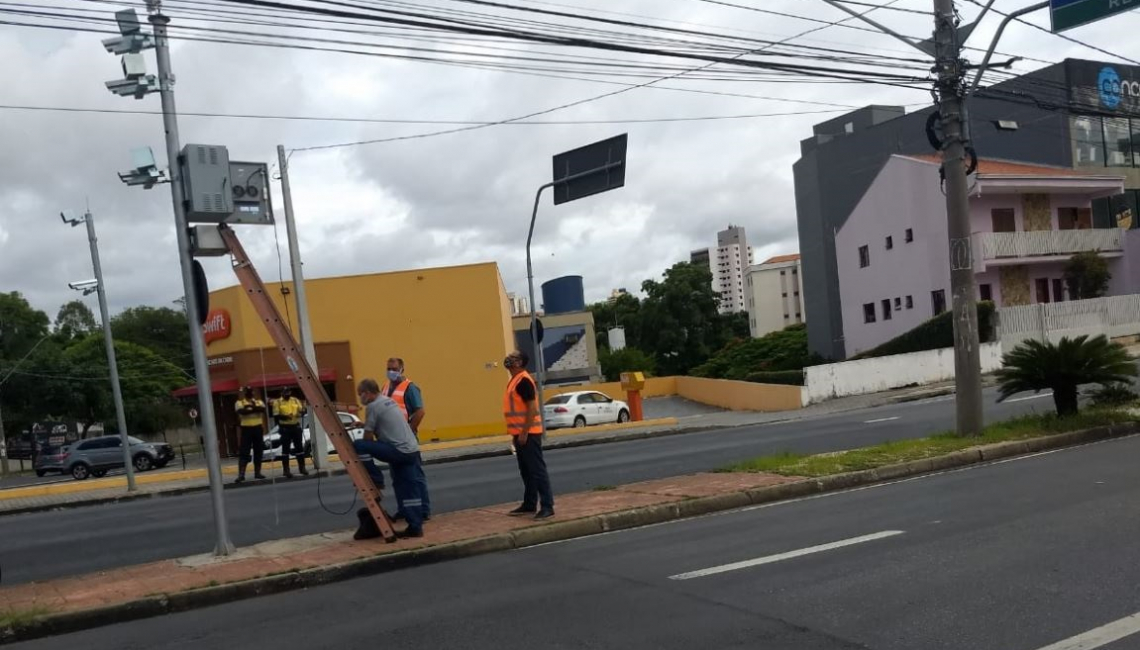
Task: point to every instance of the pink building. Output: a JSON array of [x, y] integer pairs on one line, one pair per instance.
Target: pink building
[[893, 252]]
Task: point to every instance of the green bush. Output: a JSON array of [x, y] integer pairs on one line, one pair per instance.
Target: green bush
[[625, 360], [785, 377], [779, 351], [934, 334], [1113, 395]]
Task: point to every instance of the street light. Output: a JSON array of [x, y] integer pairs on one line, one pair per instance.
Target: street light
[[96, 286]]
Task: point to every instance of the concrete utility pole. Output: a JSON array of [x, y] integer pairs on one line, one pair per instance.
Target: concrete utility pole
[[112, 362], [316, 433], [222, 543], [951, 86]]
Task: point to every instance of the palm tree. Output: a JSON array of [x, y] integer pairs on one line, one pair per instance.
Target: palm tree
[[1064, 367]]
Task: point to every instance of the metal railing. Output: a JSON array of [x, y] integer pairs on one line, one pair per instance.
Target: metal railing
[[1044, 243]]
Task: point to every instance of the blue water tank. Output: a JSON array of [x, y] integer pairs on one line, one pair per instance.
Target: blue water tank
[[563, 295]]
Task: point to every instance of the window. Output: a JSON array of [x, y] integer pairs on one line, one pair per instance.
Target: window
[[1058, 290], [795, 271], [909, 235], [1042, 290], [1118, 142], [1074, 218], [785, 295], [938, 301], [869, 312], [799, 317], [898, 304], [796, 294], [985, 292], [782, 274], [890, 242], [909, 302], [887, 309], [849, 127], [864, 257], [1003, 220], [1089, 137]]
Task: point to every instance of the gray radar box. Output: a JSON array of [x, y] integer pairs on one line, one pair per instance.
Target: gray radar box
[[206, 179]]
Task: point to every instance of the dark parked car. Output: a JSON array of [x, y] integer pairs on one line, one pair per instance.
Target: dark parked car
[[95, 456]]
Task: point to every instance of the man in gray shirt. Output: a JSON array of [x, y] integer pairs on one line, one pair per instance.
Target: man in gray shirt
[[389, 438]]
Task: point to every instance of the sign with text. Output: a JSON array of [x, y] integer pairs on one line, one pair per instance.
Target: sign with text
[[217, 325], [1067, 14]]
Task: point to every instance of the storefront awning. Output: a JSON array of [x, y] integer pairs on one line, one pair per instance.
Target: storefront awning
[[279, 379], [224, 386]]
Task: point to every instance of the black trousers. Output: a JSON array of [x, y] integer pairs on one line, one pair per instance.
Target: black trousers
[[292, 443], [532, 468], [252, 441]]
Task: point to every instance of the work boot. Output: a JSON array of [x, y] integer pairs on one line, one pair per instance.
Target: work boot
[[285, 467], [410, 532], [368, 528], [239, 479], [301, 466], [545, 513], [257, 473], [523, 510]]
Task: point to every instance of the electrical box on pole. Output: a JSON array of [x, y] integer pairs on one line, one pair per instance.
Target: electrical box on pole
[[250, 190], [206, 179]]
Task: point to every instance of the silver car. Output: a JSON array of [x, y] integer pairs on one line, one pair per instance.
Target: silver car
[[96, 456]]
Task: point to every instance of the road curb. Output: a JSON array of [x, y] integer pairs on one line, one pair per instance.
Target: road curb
[[64, 623], [439, 460]]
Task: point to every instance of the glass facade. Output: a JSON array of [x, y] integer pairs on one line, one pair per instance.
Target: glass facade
[[1106, 141]]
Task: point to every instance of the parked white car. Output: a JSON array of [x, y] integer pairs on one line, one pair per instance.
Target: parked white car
[[273, 441], [582, 409]]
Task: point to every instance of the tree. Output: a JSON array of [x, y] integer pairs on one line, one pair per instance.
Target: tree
[[21, 326], [1087, 276], [624, 312], [75, 321], [1063, 368], [737, 325], [625, 360], [783, 350], [146, 380], [161, 329], [680, 324]]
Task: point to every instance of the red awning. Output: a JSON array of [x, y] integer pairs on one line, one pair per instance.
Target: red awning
[[279, 379], [224, 386]]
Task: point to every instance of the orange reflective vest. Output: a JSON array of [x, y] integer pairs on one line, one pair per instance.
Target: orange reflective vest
[[398, 394], [514, 409]]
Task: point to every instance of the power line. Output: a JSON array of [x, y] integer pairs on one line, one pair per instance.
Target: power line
[[1063, 36]]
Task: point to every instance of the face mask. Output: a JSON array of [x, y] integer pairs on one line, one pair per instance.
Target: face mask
[[508, 362], [393, 375]]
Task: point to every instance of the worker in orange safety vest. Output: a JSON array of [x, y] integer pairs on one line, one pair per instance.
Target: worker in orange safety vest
[[410, 399], [522, 413]]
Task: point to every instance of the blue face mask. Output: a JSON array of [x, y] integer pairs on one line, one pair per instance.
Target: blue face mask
[[393, 375]]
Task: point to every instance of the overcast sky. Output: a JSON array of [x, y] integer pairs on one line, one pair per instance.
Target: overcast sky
[[458, 198]]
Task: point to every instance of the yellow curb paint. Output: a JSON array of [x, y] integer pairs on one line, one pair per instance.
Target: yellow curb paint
[[190, 474]]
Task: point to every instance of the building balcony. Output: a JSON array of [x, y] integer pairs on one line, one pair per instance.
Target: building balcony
[[1045, 245]]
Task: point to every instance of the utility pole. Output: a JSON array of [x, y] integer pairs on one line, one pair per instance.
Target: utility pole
[[222, 543], [316, 433], [951, 85], [108, 340]]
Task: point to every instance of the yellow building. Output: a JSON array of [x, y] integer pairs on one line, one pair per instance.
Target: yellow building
[[451, 325]]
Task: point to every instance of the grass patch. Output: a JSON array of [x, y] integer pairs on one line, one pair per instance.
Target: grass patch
[[901, 451], [22, 617], [603, 488]]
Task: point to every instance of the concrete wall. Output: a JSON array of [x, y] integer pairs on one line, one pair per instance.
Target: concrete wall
[[722, 393], [904, 195], [884, 373]]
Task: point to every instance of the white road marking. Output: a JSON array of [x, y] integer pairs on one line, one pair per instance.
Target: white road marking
[[881, 420], [1101, 636], [1026, 399], [724, 568]]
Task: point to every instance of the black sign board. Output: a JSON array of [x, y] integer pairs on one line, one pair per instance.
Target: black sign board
[[589, 170], [539, 331]]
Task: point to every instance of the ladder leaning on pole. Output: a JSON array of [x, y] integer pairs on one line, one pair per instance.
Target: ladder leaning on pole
[[318, 399]]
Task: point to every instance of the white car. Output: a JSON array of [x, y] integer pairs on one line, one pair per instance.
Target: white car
[[273, 441], [582, 409]]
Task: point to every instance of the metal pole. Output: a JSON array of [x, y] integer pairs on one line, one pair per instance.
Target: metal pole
[[222, 543], [112, 362], [316, 433], [539, 360], [997, 37], [951, 89]]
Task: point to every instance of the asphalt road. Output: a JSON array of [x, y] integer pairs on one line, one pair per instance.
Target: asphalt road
[[46, 545], [1034, 553]]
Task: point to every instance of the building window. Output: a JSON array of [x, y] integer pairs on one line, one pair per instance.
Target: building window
[[985, 293], [909, 235], [1003, 220], [869, 312], [1042, 290], [782, 274], [887, 309], [796, 271], [796, 294], [909, 302], [898, 304], [1074, 218], [799, 317], [890, 242], [1058, 290], [1118, 142], [864, 257], [1089, 137], [938, 301]]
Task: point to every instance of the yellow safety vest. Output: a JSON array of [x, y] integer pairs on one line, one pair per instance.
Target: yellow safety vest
[[289, 410], [250, 419]]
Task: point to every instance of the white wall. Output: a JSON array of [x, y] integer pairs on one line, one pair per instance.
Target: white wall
[[884, 373], [765, 287]]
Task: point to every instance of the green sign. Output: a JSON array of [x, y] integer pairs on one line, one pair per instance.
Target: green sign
[[1068, 14]]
